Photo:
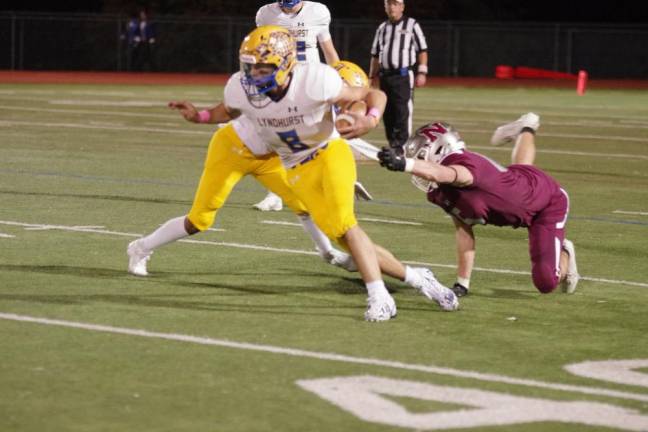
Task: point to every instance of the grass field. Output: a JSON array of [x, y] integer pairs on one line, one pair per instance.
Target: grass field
[[245, 329]]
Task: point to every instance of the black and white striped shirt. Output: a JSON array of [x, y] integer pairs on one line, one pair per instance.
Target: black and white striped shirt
[[396, 44]]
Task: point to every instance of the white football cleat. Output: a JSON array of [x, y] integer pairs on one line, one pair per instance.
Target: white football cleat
[[572, 277], [361, 193], [339, 259], [271, 202], [380, 307], [431, 288], [137, 258], [509, 132]]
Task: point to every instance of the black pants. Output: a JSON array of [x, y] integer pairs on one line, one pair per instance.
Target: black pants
[[397, 117]]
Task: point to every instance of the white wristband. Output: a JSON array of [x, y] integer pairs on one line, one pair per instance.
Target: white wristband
[[464, 281], [422, 69], [409, 164]]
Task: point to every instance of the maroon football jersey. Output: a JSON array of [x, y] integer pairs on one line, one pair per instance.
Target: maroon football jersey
[[510, 196]]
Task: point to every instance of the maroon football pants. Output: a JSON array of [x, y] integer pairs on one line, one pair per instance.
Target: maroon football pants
[[546, 236]]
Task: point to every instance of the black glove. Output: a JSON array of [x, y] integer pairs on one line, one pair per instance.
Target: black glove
[[459, 290], [392, 159], [398, 149]]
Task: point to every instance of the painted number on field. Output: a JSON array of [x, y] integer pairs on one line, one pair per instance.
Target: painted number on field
[[616, 371], [364, 397]]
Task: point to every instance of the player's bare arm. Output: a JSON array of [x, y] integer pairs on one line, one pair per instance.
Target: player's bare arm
[[455, 175], [219, 113], [330, 54], [465, 240]]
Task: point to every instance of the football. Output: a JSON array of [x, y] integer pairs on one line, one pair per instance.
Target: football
[[344, 119]]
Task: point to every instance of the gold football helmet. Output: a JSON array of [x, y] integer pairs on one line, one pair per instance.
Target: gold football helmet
[[351, 74], [270, 46]]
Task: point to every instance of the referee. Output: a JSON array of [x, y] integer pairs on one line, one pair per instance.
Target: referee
[[398, 51]]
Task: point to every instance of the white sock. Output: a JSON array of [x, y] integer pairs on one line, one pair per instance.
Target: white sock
[[171, 231], [411, 276], [376, 288], [322, 242]]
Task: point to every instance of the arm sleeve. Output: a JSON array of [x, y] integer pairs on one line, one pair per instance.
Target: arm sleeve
[[260, 17], [323, 22], [233, 92], [419, 38], [324, 83], [332, 84]]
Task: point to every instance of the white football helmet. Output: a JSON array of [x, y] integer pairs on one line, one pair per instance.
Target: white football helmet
[[431, 143]]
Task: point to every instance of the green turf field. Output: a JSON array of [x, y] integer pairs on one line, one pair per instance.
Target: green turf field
[[246, 329]]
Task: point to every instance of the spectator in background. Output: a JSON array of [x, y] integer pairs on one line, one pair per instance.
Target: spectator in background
[[133, 39], [398, 46], [146, 49]]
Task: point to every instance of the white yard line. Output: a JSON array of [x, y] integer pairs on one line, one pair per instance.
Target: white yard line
[[182, 131], [578, 112], [6, 236], [160, 124], [143, 103], [102, 93], [462, 121], [526, 273], [571, 136], [125, 234], [642, 122], [117, 103], [389, 221], [293, 251], [273, 222], [87, 113], [569, 152], [188, 131], [635, 213], [120, 128], [53, 227], [466, 374], [597, 124]]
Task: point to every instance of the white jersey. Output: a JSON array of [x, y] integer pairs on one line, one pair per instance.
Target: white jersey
[[302, 120], [245, 130], [308, 26]]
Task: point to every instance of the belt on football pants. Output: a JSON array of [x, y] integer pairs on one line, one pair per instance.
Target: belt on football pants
[[393, 72], [310, 157]]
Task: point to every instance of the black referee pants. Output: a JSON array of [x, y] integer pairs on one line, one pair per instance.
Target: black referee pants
[[398, 112]]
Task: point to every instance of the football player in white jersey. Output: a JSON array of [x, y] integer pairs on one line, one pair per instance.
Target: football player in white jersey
[[308, 22], [291, 107], [235, 150]]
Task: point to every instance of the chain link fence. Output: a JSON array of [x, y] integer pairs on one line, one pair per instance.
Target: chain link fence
[[456, 49]]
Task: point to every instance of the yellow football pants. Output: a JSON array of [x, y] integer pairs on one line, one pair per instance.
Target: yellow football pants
[[228, 160], [325, 184]]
